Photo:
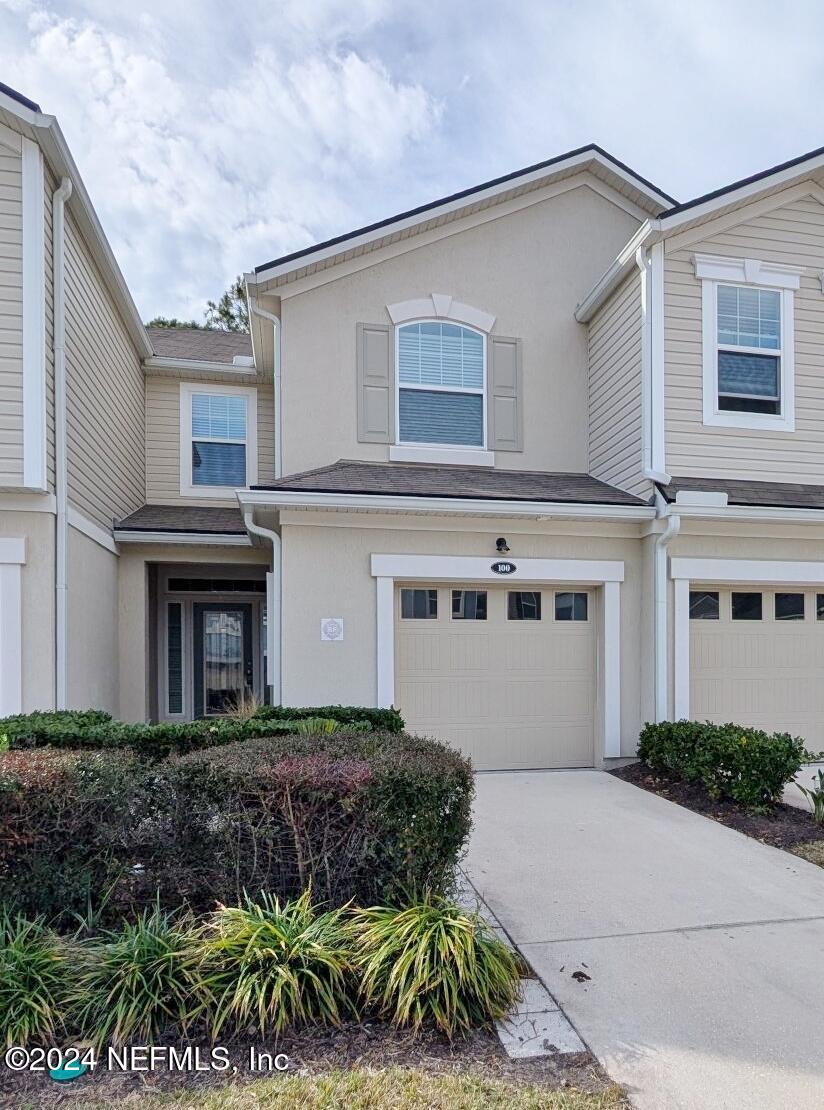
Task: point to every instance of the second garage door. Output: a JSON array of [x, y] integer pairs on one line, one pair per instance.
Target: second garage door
[[757, 658], [508, 676]]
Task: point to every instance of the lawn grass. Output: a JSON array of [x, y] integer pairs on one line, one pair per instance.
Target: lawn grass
[[392, 1088]]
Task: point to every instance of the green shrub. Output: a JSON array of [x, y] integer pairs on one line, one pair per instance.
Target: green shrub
[[431, 961], [134, 983], [363, 815], [267, 965], [747, 765], [93, 729], [33, 981]]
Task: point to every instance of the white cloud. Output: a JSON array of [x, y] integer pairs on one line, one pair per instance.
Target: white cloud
[[195, 182]]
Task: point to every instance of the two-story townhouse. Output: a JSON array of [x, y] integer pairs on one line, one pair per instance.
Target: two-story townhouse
[[71, 423], [535, 462]]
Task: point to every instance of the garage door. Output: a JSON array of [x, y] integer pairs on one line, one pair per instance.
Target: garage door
[[757, 658], [507, 676]]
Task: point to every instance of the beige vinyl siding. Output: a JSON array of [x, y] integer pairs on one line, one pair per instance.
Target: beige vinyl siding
[[794, 234], [11, 317], [615, 449], [105, 409], [163, 440]]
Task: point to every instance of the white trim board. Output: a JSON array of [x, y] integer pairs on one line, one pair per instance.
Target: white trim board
[[608, 574], [202, 539], [12, 557], [90, 529], [440, 306], [187, 391], [722, 572], [34, 318]]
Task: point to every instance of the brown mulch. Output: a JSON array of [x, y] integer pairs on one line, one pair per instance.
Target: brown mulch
[[310, 1052], [785, 827]]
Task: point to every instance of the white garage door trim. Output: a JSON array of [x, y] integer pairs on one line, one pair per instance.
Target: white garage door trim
[[608, 574], [727, 572], [12, 557]]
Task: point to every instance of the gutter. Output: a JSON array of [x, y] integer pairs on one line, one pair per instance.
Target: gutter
[[61, 562], [274, 607], [660, 636], [201, 539], [449, 506]]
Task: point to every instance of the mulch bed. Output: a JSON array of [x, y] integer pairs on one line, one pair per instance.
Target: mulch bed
[[784, 827], [313, 1051]]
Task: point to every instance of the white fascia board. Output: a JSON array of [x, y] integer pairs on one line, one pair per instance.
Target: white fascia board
[[89, 528], [157, 364], [755, 514], [201, 539], [755, 571], [472, 568], [620, 268], [276, 499], [742, 193], [585, 157]]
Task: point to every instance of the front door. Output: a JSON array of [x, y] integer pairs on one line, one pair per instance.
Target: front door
[[223, 660]]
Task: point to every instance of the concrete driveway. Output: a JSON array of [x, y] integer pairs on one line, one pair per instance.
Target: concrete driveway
[[704, 949]]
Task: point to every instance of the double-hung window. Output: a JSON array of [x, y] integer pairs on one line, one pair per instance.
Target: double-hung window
[[441, 385], [218, 439], [749, 349], [747, 309]]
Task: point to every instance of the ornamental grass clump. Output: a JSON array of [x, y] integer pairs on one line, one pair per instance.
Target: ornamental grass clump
[[137, 981], [33, 981], [433, 962], [267, 964]]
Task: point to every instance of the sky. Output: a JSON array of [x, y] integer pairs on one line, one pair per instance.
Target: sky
[[214, 137]]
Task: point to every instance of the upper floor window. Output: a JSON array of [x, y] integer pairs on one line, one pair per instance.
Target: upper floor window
[[747, 309], [749, 349], [441, 385], [217, 439]]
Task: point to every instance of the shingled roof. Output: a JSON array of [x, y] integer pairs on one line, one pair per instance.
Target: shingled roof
[[200, 344], [428, 480], [782, 495], [183, 518]]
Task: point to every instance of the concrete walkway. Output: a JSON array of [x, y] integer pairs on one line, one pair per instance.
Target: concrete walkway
[[704, 949]]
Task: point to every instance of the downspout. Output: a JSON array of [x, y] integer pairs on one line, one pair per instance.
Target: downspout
[[277, 330], [61, 566], [274, 595], [660, 638]]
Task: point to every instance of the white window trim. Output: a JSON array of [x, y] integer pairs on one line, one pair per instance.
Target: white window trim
[[12, 558], [713, 271], [773, 574], [434, 452], [187, 390], [34, 318], [608, 574]]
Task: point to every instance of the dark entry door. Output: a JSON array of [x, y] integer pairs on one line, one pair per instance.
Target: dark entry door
[[223, 660]]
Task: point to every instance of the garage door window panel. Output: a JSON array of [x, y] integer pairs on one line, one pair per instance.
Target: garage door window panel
[[704, 605], [789, 607], [747, 606], [819, 606], [469, 605], [571, 606], [523, 605], [419, 605]]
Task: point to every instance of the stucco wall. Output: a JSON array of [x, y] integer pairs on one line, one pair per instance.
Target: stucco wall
[[37, 589], [326, 573], [92, 623], [528, 268]]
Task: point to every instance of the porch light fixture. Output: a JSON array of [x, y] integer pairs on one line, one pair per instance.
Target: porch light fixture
[[501, 545]]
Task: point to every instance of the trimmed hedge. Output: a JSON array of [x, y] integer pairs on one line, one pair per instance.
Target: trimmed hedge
[[370, 816], [94, 729], [745, 764]]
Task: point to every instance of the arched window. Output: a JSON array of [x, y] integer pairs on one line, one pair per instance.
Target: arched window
[[441, 384]]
